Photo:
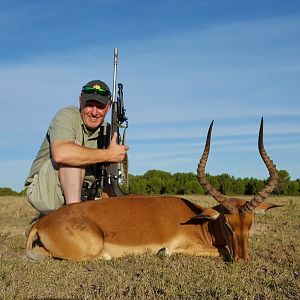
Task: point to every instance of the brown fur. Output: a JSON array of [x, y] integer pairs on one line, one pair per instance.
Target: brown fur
[[132, 225]]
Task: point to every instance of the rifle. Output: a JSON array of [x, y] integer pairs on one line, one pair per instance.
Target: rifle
[[108, 175], [118, 118]]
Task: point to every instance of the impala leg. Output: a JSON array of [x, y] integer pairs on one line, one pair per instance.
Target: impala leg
[[34, 247], [78, 239]]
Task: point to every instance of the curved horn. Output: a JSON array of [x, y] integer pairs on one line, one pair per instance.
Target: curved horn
[[273, 179], [201, 173]]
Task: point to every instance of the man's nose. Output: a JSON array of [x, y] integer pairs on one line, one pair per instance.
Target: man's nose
[[95, 110]]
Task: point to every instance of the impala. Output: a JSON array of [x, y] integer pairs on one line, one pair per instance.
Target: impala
[[120, 226]]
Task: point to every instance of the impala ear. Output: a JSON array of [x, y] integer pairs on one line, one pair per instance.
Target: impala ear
[[264, 206], [206, 215], [209, 214]]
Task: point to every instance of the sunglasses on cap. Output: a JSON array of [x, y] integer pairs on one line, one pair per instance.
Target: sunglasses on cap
[[96, 89]]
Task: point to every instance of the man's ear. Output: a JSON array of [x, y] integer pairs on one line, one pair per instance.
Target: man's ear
[[108, 107], [80, 102]]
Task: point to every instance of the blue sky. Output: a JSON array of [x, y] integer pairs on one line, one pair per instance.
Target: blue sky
[[182, 63]]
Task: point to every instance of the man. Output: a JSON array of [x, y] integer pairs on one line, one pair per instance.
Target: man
[[69, 151]]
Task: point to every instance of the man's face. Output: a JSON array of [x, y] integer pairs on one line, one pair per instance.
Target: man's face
[[93, 113]]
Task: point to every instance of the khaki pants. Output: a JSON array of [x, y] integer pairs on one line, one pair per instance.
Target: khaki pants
[[45, 193]]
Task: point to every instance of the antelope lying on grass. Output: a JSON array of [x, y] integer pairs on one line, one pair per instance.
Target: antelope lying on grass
[[136, 224]]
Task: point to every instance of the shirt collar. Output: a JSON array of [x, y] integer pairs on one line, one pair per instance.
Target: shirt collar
[[92, 134]]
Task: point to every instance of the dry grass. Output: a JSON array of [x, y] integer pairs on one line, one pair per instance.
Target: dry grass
[[272, 272]]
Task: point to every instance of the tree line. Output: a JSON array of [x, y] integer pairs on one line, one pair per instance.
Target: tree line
[[160, 182], [6, 191]]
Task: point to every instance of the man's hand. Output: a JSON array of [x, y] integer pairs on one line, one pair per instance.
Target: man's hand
[[116, 152]]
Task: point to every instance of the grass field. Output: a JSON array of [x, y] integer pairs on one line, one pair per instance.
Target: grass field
[[272, 272]]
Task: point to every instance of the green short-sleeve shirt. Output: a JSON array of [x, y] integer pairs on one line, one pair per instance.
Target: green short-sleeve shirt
[[66, 125]]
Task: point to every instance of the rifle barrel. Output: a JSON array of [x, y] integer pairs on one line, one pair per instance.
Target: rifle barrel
[[115, 75]]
